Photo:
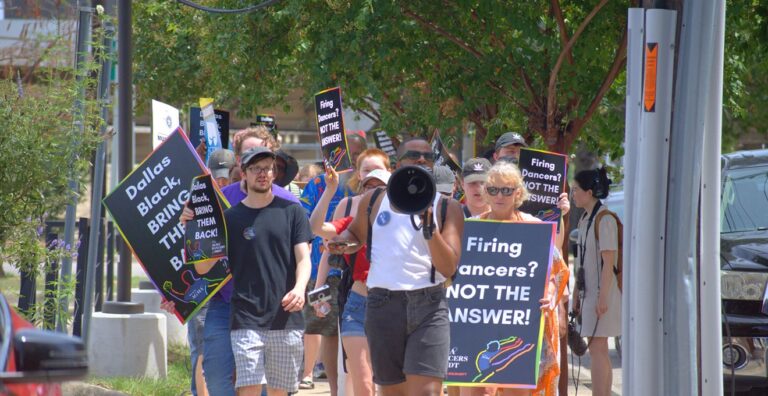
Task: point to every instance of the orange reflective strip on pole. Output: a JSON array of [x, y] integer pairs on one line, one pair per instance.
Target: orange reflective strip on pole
[[649, 90]]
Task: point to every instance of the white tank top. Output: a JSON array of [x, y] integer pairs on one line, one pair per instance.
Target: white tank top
[[400, 258]]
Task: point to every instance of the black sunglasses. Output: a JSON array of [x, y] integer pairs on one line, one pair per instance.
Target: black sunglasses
[[505, 191], [415, 155]]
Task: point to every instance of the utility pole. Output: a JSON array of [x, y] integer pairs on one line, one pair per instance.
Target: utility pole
[[123, 305]]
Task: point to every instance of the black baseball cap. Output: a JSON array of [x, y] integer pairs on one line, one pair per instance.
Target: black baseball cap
[[510, 138], [255, 153], [475, 169]]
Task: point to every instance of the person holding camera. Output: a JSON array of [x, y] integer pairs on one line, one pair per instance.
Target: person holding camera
[[372, 171], [598, 299], [407, 315]]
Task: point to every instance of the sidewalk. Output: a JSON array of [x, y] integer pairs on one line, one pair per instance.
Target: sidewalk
[[585, 382]]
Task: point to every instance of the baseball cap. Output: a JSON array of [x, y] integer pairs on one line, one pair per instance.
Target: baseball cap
[[379, 174], [510, 138], [475, 169], [254, 153], [444, 179], [220, 162]]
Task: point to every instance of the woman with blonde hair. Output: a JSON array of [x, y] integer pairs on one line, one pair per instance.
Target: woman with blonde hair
[[505, 193], [372, 172]]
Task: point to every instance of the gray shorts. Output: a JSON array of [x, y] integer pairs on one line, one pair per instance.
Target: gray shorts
[[408, 333], [271, 357]]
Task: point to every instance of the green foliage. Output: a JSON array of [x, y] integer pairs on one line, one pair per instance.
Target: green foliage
[[41, 150], [745, 91], [413, 66], [416, 67]]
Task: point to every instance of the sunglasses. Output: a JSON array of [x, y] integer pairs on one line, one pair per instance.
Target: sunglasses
[[505, 191], [415, 155]]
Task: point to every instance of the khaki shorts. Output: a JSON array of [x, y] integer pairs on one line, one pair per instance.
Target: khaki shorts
[[329, 325]]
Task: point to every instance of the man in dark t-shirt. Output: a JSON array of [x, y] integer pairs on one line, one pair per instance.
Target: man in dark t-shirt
[[269, 256]]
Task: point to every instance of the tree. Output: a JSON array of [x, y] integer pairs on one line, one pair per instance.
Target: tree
[[552, 70], [535, 66]]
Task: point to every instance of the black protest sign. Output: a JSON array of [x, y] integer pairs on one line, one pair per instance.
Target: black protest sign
[[197, 126], [441, 154], [385, 143], [330, 128], [495, 314], [544, 176], [146, 206], [205, 237], [268, 121]]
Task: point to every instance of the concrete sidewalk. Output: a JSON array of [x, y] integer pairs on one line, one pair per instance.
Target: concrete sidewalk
[[584, 376]]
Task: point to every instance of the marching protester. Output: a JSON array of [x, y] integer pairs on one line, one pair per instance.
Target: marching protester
[[505, 193], [445, 180], [508, 147], [474, 173], [220, 164], [324, 329], [269, 255], [218, 359], [597, 298], [406, 319], [372, 172]]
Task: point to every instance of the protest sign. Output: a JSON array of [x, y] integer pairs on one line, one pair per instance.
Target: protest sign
[[441, 154], [267, 120], [205, 237], [544, 175], [165, 120], [495, 314], [211, 127], [385, 144], [197, 132], [146, 206], [330, 128]]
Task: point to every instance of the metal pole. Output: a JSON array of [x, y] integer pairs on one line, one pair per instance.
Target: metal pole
[[99, 166], [645, 299], [82, 50], [635, 35], [710, 330], [125, 93], [692, 87]]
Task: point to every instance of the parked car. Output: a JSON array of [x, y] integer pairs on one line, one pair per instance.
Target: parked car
[[744, 268], [34, 361]]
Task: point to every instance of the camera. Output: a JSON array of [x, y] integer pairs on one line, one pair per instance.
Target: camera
[[321, 294]]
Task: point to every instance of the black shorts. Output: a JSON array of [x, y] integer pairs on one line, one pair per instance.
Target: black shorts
[[408, 333]]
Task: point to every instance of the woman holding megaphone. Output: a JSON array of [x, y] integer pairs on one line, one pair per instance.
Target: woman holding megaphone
[[372, 171], [505, 193]]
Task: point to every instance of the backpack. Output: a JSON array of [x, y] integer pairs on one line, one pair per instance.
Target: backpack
[[619, 268]]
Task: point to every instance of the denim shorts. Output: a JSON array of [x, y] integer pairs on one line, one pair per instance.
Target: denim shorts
[[353, 317], [408, 333]]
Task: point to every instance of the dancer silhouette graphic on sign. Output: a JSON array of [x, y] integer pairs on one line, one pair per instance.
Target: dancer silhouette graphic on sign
[[498, 355]]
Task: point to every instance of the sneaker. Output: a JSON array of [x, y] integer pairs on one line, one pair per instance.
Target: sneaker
[[319, 371], [306, 383]]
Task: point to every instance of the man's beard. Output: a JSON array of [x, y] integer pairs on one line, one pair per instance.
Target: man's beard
[[259, 190]]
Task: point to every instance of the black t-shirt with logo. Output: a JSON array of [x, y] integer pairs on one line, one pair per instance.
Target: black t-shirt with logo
[[263, 263]]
